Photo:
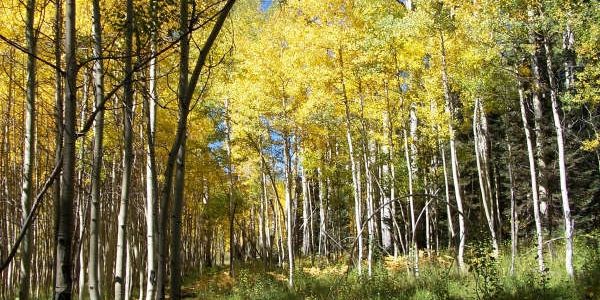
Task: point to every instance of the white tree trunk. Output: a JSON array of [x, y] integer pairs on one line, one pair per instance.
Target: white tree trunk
[[28, 151], [98, 79], [121, 259], [288, 205], [322, 211], [534, 186], [354, 168], [564, 193], [482, 170], [413, 250], [305, 215], [447, 193], [386, 211], [454, 160], [513, 211]]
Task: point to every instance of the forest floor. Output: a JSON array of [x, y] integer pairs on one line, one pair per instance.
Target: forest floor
[[438, 278]]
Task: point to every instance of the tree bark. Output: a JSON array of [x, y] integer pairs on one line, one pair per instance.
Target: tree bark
[[120, 266], [564, 193], [453, 159], [305, 215], [288, 204], [413, 250], [369, 184], [386, 211], [64, 265], [151, 177], [354, 167], [513, 211], [534, 185], [230, 195], [482, 169], [178, 203], [58, 117], [185, 93], [538, 113], [322, 211], [447, 193], [98, 78], [29, 150]]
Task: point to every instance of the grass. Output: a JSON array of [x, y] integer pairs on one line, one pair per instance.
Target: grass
[[488, 278]]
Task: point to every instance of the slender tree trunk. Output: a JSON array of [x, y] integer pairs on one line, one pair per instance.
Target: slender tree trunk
[[185, 94], [386, 211], [82, 205], [178, 199], [534, 185], [564, 193], [355, 169], [369, 183], [322, 211], [266, 237], [98, 77], [454, 160], [513, 211], [151, 178], [305, 215], [120, 266], [184, 49], [58, 111], [482, 170], [427, 218], [447, 193], [64, 265], [288, 203], [28, 151], [569, 53], [413, 251], [230, 192], [370, 207], [538, 113]]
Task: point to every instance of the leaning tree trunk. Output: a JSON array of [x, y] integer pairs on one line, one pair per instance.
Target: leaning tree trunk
[[564, 193], [28, 151], [185, 93], [120, 266]]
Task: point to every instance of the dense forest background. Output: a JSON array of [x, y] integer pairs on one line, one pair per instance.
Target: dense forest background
[[150, 145]]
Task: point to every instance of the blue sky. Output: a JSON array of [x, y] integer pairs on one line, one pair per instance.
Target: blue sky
[[264, 4]]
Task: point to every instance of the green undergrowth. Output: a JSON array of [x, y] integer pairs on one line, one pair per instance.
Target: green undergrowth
[[487, 278]]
